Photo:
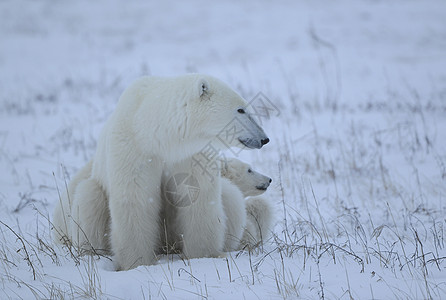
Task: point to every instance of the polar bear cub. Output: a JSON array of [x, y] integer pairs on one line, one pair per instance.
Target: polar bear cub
[[250, 182], [247, 222]]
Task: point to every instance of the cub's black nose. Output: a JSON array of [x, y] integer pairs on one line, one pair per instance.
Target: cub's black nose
[[265, 141], [270, 180]]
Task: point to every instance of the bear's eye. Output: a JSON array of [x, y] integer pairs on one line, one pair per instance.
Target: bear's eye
[[249, 171], [241, 110]]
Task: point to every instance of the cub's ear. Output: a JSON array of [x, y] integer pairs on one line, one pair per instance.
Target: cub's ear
[[203, 87]]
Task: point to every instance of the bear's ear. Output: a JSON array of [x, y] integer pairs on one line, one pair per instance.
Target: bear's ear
[[203, 87]]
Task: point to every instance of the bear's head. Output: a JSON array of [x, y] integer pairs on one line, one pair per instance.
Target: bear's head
[[218, 114], [176, 117], [250, 182]]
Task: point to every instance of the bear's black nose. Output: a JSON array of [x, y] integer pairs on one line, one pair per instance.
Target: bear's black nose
[[265, 141], [270, 180]]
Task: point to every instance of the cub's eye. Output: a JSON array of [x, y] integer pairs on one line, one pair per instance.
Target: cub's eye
[[241, 110], [249, 171]]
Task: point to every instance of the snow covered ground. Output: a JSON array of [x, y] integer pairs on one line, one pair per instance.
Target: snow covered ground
[[357, 151]]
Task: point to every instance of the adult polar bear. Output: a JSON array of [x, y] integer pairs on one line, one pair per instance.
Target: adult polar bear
[[157, 124]]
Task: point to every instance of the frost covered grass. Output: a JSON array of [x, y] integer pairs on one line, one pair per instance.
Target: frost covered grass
[[357, 151]]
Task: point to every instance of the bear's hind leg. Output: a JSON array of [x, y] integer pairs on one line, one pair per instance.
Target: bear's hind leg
[[62, 212], [90, 217]]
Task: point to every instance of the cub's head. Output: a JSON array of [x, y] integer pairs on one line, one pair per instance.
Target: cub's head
[[216, 113], [250, 182]]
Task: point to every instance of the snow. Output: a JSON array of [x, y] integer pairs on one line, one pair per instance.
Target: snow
[[357, 151]]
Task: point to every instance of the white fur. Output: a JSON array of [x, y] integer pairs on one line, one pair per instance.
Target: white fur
[[82, 223], [90, 219], [249, 223], [234, 206], [243, 225], [62, 213], [157, 123], [250, 182], [199, 228], [258, 223]]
